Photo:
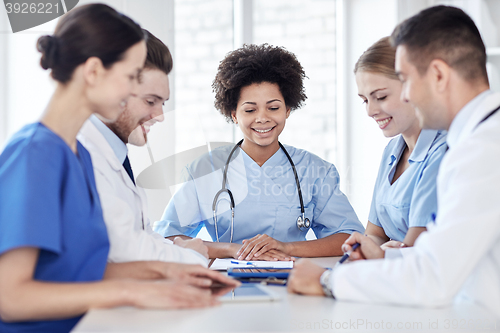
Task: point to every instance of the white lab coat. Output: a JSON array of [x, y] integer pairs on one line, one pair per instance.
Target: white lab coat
[[125, 209], [459, 257]]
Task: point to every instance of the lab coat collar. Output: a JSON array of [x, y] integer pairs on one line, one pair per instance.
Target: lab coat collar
[[100, 149], [470, 115], [119, 148], [93, 139]]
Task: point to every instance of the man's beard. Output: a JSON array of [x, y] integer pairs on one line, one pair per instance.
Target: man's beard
[[121, 127]]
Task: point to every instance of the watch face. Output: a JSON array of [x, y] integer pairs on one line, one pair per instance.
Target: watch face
[[325, 283]]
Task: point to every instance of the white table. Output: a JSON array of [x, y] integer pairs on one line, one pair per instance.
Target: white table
[[294, 313]]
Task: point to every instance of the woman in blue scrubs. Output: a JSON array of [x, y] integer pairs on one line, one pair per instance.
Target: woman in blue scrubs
[[257, 87], [404, 199], [53, 240]]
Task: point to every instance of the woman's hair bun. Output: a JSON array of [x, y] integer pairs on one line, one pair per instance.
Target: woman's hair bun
[[47, 45], [92, 30]]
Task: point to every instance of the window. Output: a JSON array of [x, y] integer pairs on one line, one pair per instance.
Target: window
[[204, 35]]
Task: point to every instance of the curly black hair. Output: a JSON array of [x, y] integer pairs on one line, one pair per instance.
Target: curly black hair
[[255, 64]]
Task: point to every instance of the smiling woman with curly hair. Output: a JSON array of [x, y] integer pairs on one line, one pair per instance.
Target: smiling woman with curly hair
[[257, 87], [256, 64]]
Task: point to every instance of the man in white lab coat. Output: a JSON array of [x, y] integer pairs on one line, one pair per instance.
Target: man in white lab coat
[[441, 61], [123, 203]]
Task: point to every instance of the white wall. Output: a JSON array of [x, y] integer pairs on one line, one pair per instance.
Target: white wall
[[306, 28], [366, 21], [25, 86]]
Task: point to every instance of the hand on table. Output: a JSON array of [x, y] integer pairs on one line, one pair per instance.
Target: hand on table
[[392, 244], [274, 255], [304, 278], [197, 275], [164, 294], [262, 247], [368, 249], [193, 244]]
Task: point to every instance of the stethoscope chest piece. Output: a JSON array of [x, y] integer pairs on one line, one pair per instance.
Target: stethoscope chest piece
[[303, 223]]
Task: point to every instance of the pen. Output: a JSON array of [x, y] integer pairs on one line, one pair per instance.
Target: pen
[[347, 254], [241, 263]]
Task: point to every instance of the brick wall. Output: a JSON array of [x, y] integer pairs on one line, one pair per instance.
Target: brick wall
[[306, 28], [204, 35]]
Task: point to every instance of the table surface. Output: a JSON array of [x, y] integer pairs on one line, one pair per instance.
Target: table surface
[[293, 313]]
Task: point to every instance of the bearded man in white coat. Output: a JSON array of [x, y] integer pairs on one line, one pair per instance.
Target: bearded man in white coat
[[441, 61], [124, 204]]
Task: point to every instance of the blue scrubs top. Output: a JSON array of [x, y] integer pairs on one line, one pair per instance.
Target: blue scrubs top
[[411, 201], [49, 201], [266, 198]]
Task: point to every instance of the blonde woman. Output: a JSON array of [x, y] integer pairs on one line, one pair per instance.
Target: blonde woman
[[404, 198]]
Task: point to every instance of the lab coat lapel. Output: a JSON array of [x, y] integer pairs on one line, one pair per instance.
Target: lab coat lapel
[[93, 139], [105, 161]]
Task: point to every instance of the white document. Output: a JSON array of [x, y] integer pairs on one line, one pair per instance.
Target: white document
[[249, 292], [224, 264]]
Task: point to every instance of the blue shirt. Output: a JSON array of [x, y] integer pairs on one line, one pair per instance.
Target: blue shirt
[[411, 201], [266, 198], [49, 201], [118, 146]]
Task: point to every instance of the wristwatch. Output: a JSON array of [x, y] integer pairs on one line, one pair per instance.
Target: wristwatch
[[324, 280]]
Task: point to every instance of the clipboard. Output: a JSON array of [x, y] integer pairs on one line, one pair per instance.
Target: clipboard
[[259, 273]]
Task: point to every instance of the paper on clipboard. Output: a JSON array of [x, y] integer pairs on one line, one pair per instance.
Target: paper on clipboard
[[224, 264]]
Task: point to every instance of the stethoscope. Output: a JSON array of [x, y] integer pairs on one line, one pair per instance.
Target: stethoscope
[[303, 223]]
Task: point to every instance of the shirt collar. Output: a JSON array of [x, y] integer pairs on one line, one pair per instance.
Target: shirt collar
[[424, 142], [114, 141], [397, 150], [463, 116]]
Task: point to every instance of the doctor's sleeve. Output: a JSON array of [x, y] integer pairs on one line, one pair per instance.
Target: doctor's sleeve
[[459, 249], [423, 204], [182, 216], [333, 213], [127, 241]]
